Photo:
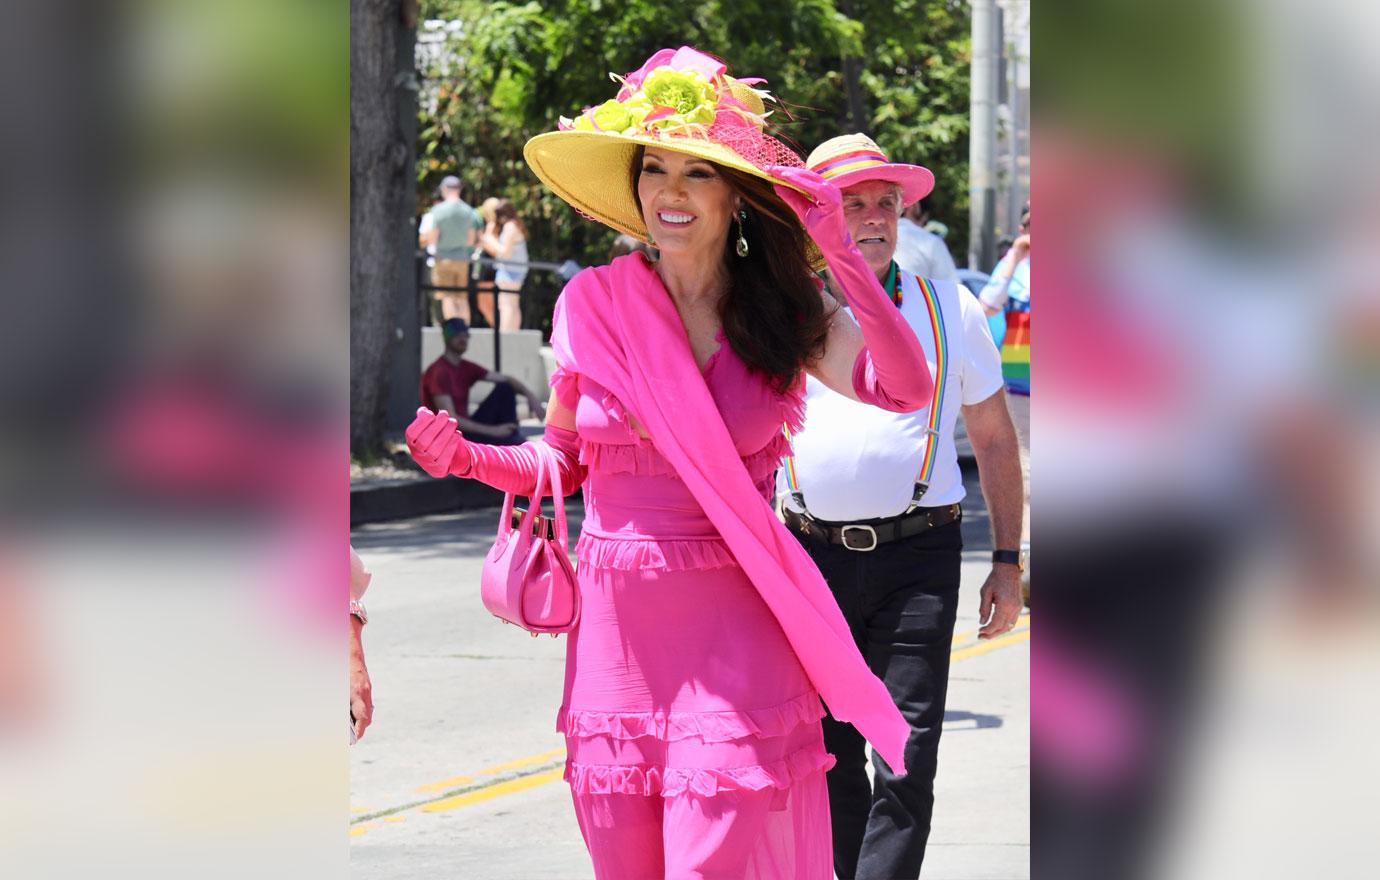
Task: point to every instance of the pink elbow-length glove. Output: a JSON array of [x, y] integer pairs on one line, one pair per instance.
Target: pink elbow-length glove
[[438, 446], [891, 371]]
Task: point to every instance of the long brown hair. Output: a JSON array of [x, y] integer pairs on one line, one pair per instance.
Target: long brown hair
[[503, 212], [772, 314]]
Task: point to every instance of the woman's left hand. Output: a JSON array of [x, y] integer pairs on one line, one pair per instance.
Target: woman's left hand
[[820, 212], [434, 441]]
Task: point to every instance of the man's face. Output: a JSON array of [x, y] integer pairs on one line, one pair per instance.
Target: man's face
[[458, 343], [871, 209]]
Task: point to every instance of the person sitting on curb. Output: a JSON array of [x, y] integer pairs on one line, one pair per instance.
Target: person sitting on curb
[[446, 386]]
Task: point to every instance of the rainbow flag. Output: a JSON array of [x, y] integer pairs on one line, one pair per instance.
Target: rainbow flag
[[1015, 353]]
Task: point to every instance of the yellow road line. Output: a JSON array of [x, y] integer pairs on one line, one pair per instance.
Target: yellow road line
[[512, 786], [494, 770], [1011, 638], [524, 783], [960, 638]]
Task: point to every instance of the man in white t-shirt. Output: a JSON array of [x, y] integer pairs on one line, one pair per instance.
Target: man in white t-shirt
[[919, 251], [878, 511]]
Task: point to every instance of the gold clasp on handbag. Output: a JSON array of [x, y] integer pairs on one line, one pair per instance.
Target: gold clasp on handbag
[[538, 522]]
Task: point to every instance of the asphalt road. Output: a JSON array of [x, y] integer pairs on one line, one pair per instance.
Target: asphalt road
[[459, 777]]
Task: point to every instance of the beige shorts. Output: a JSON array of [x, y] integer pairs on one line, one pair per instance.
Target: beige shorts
[[450, 273]]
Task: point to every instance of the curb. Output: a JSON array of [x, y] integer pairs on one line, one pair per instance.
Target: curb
[[384, 500]]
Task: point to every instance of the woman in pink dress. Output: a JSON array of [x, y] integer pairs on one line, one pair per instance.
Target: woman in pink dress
[[691, 709]]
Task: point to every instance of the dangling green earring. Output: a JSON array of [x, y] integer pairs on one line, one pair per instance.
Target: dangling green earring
[[742, 246]]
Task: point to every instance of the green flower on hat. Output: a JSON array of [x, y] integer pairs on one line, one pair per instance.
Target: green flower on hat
[[668, 99], [690, 97], [610, 116], [613, 116]]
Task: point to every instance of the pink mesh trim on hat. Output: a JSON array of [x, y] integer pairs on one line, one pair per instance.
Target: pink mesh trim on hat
[[760, 150]]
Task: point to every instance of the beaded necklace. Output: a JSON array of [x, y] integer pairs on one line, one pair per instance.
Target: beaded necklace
[[893, 288]]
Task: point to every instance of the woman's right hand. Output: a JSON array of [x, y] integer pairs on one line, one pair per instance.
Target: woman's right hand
[[433, 441], [820, 212]]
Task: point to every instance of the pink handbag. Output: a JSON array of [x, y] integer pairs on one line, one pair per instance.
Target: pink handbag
[[528, 579]]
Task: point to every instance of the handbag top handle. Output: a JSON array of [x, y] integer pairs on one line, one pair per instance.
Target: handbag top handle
[[548, 475], [551, 470], [534, 508]]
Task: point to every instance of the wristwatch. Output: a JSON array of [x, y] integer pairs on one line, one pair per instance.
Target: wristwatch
[[357, 610], [1009, 557]]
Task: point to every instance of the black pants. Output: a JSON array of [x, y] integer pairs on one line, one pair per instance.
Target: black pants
[[900, 601], [499, 408]]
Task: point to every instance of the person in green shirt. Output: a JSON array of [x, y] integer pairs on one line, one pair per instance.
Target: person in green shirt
[[452, 227]]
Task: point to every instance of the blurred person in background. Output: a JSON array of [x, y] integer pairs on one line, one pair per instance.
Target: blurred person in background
[[1186, 461], [453, 228], [447, 382], [24, 684], [484, 266], [1008, 290], [874, 498], [919, 251], [486, 214], [426, 242], [625, 244], [361, 691], [509, 248]]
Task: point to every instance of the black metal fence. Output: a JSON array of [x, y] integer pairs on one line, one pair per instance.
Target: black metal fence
[[538, 293]]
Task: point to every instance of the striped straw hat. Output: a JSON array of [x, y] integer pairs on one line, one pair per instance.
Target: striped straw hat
[[852, 158]]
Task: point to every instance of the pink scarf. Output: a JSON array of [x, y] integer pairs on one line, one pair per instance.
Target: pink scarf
[[618, 326]]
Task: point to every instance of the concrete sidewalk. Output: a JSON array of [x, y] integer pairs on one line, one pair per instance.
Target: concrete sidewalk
[[460, 774]]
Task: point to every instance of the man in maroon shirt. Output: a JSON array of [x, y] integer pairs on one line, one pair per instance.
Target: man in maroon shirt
[[446, 386]]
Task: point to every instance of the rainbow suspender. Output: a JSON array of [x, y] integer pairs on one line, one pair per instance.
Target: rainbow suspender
[[941, 363]]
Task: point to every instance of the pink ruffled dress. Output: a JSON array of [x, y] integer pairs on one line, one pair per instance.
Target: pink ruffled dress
[[692, 731]]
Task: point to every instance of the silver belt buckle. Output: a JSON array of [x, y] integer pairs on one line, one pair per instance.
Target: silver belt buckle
[[862, 528]]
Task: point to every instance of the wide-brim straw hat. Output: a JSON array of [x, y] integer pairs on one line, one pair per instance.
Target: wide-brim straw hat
[[853, 158], [679, 100]]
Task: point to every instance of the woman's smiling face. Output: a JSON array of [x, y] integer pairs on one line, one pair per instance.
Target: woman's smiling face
[[686, 203]]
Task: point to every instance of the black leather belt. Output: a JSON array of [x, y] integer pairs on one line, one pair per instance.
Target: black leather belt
[[866, 535]]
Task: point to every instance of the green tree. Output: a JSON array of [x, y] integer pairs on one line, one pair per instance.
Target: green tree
[[506, 71]]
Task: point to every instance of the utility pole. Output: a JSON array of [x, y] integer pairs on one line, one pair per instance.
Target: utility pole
[[1013, 136], [982, 147]]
